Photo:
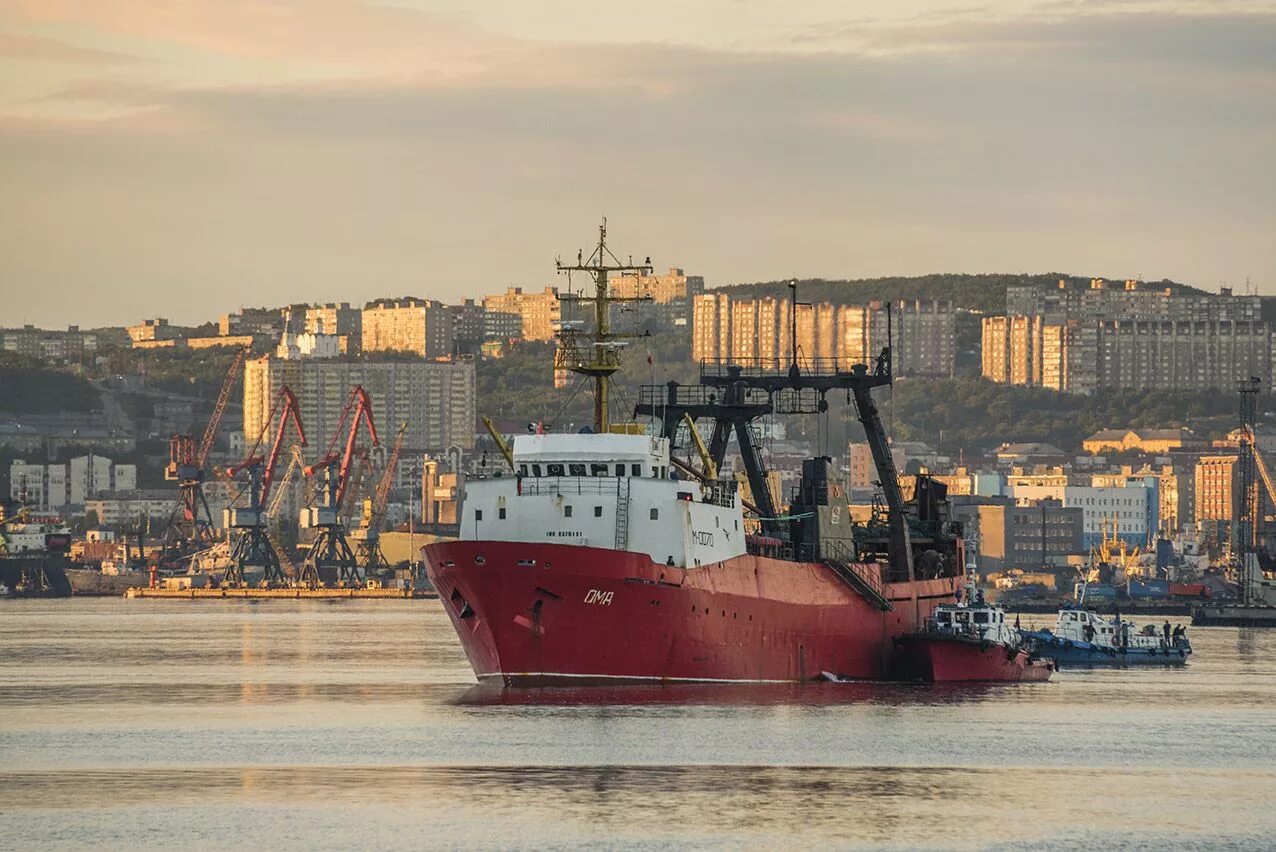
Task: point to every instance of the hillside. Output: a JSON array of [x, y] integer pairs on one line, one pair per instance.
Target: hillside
[[982, 293], [29, 387]]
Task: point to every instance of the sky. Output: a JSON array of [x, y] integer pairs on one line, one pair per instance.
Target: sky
[[184, 158]]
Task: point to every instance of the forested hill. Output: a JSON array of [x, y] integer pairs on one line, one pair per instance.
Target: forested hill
[[985, 293], [29, 387]]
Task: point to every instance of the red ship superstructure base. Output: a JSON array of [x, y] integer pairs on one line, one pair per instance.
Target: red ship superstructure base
[[537, 614], [946, 659]]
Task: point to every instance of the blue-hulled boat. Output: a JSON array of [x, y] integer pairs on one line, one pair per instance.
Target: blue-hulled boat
[[1084, 638]]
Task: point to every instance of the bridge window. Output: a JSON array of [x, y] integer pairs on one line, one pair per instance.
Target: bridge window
[[554, 469], [620, 470], [598, 469], [536, 470], [655, 514], [598, 511], [635, 470], [567, 511], [576, 469], [522, 468]]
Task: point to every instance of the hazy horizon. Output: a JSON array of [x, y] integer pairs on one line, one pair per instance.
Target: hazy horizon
[[194, 158]]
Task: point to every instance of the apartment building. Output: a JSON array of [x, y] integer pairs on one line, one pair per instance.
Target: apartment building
[[408, 325], [1127, 337], [1217, 483], [1082, 357], [437, 399], [1128, 300], [767, 329], [539, 313], [49, 346], [53, 487], [668, 296]]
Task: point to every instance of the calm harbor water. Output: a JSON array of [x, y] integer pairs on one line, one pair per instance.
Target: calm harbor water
[[155, 725]]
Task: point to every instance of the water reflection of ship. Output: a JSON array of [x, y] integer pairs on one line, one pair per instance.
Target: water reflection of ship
[[690, 694]]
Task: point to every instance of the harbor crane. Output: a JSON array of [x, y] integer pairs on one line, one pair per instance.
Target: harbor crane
[[254, 548], [190, 526], [331, 549], [368, 537]]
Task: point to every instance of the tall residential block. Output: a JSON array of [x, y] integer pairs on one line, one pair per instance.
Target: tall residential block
[[765, 330], [1128, 300], [335, 318], [408, 325], [669, 296], [1084, 356], [437, 399], [539, 312]]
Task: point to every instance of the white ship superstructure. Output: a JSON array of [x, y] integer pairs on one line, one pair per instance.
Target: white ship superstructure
[[610, 491]]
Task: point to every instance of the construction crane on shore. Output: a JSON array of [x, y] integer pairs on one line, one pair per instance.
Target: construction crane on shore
[[331, 549], [255, 548], [368, 536], [190, 526]]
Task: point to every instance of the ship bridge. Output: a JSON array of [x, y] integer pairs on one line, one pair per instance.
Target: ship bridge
[[599, 455]]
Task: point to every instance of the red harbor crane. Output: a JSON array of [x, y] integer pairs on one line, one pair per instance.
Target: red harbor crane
[[331, 549], [190, 526], [254, 548], [368, 537]]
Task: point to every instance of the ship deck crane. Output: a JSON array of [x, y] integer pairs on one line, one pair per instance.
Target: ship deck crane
[[507, 452], [190, 526], [331, 549], [254, 547], [368, 536]]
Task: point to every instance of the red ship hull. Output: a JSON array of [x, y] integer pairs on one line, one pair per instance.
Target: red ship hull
[[947, 659], [531, 614]]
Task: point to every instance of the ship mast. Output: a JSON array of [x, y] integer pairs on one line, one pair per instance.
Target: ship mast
[[596, 355]]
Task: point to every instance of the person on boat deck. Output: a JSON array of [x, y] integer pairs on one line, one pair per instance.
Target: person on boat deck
[[1166, 631], [1089, 632]]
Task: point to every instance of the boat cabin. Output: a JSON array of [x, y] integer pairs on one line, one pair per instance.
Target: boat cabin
[[612, 491]]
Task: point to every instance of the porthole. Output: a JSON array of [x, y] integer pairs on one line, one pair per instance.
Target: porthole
[[480, 560]]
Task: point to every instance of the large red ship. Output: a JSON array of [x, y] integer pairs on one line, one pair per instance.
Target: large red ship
[[603, 556]]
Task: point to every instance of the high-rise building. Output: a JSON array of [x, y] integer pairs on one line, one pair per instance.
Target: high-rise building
[[1216, 487], [669, 296], [1081, 357], [408, 325], [339, 319], [46, 345], [921, 333], [1129, 300], [539, 312], [437, 399]]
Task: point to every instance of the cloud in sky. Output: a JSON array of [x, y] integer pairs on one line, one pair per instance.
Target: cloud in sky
[[190, 160]]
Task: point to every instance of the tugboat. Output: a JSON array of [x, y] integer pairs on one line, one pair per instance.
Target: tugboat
[[969, 641], [1084, 638]]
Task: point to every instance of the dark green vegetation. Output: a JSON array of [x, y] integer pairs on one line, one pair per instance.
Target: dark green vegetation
[[520, 386], [29, 387], [981, 293], [974, 415], [978, 415], [193, 373]]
